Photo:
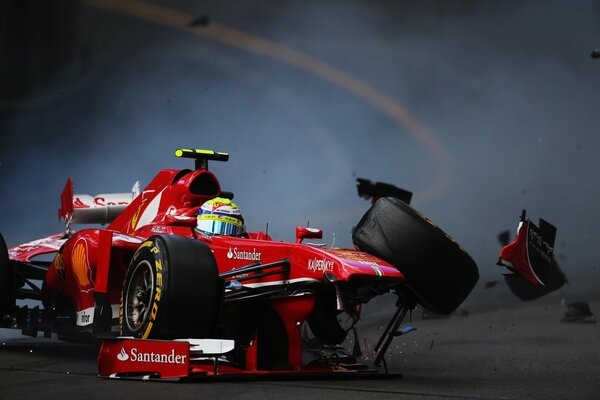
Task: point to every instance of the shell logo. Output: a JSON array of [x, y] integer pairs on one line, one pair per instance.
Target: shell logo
[[59, 265], [81, 266], [136, 216]]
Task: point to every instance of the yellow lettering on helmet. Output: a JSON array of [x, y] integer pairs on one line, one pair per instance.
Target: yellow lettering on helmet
[[221, 218]]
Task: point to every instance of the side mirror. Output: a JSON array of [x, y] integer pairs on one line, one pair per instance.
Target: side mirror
[[303, 232]]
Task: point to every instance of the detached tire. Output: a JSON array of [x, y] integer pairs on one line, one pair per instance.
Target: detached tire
[[7, 297], [172, 290], [439, 273]]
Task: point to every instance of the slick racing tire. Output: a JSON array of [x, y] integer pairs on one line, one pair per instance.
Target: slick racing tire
[[439, 273], [7, 297], [171, 290]]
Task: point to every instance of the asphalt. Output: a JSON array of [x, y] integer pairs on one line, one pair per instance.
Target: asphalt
[[517, 353]]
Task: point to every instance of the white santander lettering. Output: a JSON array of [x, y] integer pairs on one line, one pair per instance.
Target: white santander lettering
[[243, 255], [161, 358]]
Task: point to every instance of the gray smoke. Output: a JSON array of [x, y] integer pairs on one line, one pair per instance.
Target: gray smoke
[[508, 89]]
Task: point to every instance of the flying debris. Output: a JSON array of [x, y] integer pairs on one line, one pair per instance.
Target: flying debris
[[368, 189], [579, 312], [530, 258], [595, 53]]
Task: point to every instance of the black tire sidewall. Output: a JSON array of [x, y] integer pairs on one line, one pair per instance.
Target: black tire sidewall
[[190, 291], [152, 252], [438, 271]]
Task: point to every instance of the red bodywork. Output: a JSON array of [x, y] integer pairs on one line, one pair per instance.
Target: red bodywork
[[516, 255], [95, 261]]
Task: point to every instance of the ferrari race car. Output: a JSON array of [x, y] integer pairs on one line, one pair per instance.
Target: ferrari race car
[[175, 289]]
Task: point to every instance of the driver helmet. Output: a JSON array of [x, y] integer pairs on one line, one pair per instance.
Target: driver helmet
[[220, 216]]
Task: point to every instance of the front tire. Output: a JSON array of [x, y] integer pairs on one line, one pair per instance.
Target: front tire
[[171, 290]]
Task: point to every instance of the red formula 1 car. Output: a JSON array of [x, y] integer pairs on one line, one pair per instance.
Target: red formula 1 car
[[173, 299]]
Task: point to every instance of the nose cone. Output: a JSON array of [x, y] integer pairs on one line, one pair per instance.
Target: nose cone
[[354, 264]]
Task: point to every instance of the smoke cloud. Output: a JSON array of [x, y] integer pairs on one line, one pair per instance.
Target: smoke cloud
[[508, 90]]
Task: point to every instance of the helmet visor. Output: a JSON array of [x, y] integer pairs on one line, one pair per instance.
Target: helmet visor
[[218, 228], [218, 224]]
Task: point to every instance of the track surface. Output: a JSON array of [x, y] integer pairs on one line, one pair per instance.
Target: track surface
[[524, 353]]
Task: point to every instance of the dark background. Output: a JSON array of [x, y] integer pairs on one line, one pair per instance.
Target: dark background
[[501, 103]]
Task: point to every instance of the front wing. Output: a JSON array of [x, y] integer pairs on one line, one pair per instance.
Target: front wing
[[181, 359]]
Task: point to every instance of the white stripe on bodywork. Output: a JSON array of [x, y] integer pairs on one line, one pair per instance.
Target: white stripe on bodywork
[[284, 282], [150, 212], [125, 238]]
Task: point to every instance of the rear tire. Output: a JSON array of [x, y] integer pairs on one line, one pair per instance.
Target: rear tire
[[172, 290], [7, 284], [439, 273]]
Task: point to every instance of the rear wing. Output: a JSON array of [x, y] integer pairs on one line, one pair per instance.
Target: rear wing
[[98, 209]]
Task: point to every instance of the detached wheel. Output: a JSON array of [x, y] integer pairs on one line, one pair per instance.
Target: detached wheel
[[439, 273], [7, 297], [172, 290]]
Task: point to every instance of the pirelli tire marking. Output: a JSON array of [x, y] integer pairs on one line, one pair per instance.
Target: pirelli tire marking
[[433, 224], [155, 264]]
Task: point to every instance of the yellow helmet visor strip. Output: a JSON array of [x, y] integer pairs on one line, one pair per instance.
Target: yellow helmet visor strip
[[220, 218]]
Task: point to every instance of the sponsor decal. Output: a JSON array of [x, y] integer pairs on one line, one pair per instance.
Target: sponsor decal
[[81, 267], [377, 270], [169, 359], [171, 210], [123, 356], [159, 229], [77, 203], [136, 216], [354, 255], [59, 265], [324, 265], [543, 247], [51, 242], [85, 317], [101, 201], [136, 355], [236, 254]]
